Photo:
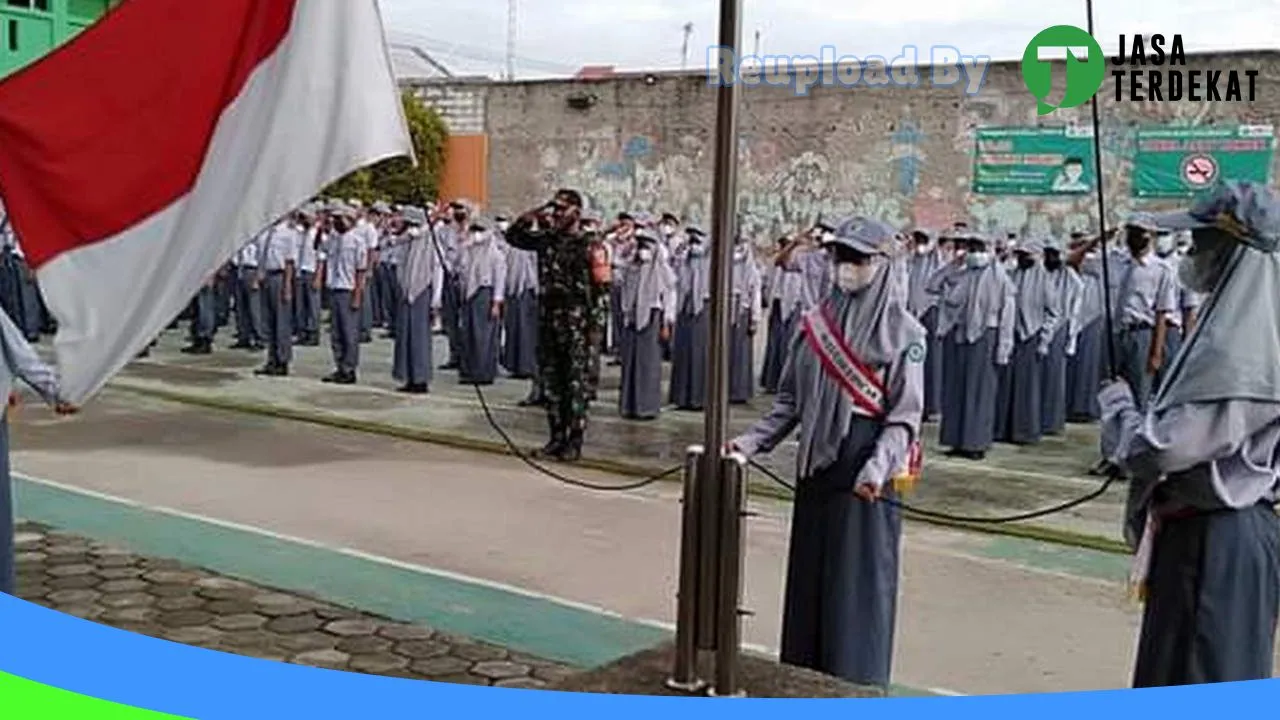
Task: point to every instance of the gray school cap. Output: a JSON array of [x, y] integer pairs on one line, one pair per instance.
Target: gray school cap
[[1247, 211]]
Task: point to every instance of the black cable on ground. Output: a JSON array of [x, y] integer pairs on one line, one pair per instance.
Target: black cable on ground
[[1020, 517], [515, 450]]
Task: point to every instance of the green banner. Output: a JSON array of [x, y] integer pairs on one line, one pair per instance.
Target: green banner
[[1179, 162], [1034, 161]]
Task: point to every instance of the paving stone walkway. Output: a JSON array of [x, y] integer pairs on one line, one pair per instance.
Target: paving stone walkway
[[164, 599]]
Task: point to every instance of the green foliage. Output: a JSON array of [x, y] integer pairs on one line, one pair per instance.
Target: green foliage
[[398, 180]]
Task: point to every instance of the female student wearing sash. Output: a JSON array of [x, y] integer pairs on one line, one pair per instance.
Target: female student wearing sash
[[853, 383]]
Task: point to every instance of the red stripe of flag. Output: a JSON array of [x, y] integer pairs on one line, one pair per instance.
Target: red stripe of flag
[[130, 104]]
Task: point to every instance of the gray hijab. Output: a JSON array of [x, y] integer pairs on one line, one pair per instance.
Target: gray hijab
[[878, 327], [1234, 351]]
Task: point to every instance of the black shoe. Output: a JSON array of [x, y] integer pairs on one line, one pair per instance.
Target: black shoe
[[146, 353], [333, 377], [311, 340], [347, 379], [572, 450], [256, 346], [241, 345], [267, 369], [449, 366]]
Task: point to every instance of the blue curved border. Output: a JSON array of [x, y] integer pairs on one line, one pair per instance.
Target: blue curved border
[[102, 662]]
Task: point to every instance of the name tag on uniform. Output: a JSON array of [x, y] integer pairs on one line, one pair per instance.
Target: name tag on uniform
[[858, 380]]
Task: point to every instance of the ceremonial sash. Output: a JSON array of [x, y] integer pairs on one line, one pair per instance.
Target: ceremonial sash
[[860, 383]]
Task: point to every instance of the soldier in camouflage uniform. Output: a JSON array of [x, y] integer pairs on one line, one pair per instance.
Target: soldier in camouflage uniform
[[571, 316]]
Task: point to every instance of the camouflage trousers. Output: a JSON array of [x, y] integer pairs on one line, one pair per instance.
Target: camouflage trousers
[[565, 359]]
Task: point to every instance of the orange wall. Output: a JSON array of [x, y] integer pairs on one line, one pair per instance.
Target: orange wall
[[466, 169]]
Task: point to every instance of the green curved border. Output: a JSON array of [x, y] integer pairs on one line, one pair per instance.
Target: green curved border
[[27, 700]]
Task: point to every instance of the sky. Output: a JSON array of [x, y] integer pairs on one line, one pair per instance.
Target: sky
[[557, 37]]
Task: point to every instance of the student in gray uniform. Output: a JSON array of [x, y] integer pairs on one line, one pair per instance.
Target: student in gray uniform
[[692, 265], [306, 292], [279, 267], [1203, 458], [1182, 320], [927, 258], [343, 269], [1143, 296], [648, 306], [482, 267], [204, 317], [1019, 402], [1066, 287], [785, 303], [248, 306], [20, 363], [379, 294], [520, 315], [421, 280], [975, 322], [223, 292], [451, 234], [621, 243], [854, 387], [26, 295], [1086, 348], [367, 231], [391, 255], [745, 320]]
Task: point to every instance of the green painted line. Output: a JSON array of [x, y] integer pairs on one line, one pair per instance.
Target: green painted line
[[1030, 531], [531, 625], [536, 626], [1058, 558], [27, 700]]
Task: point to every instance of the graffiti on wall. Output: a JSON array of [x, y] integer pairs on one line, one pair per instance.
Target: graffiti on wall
[[899, 174]]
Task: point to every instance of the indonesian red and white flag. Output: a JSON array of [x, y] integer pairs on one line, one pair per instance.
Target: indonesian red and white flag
[[137, 159]]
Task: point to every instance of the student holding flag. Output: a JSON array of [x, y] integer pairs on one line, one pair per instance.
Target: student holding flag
[[853, 383]]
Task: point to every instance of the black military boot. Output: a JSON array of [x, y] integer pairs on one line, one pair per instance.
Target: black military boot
[[555, 445], [572, 451]]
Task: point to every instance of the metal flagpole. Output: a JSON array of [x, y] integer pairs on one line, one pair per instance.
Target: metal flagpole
[[708, 612], [724, 208], [1102, 218]]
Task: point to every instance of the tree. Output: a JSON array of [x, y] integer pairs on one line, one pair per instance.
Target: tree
[[398, 180]]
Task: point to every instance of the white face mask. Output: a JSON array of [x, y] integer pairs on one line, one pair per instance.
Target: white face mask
[[504, 225], [923, 249], [415, 232], [645, 255], [1164, 244], [852, 278], [977, 259], [668, 229], [740, 253], [477, 236]]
